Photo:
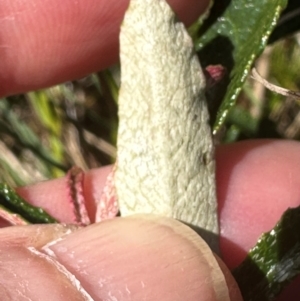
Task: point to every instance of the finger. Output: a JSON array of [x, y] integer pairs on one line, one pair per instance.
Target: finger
[[34, 235], [257, 181], [25, 272], [44, 42], [252, 184], [54, 196], [247, 175], [135, 258]]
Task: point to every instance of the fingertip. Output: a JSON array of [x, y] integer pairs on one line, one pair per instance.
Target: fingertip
[[143, 258], [55, 196], [233, 289], [45, 42], [94, 182], [26, 272], [257, 181]]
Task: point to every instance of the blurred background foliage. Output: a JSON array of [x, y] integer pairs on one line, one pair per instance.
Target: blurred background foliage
[[43, 133]]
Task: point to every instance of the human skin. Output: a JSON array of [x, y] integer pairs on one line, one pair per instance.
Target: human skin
[[256, 180], [44, 42]]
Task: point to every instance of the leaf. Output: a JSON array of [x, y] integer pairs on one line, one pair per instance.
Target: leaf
[[274, 261], [234, 35], [165, 150], [288, 23], [13, 204]]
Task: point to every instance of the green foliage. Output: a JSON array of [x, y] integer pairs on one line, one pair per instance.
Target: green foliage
[[51, 120], [13, 126], [10, 201], [44, 133], [274, 262], [238, 34]]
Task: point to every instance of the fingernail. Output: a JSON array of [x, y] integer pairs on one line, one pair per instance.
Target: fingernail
[[142, 257]]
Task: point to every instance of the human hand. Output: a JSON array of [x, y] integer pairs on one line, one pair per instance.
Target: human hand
[[249, 190], [84, 51]]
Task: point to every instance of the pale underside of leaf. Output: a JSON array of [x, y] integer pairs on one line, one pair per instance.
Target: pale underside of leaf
[[165, 151]]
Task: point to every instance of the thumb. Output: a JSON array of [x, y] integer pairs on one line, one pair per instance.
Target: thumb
[[135, 258]]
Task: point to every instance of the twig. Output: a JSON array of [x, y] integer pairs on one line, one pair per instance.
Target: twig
[[274, 88]]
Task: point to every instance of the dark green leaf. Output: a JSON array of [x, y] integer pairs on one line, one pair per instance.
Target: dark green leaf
[[13, 203], [234, 35], [273, 262]]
